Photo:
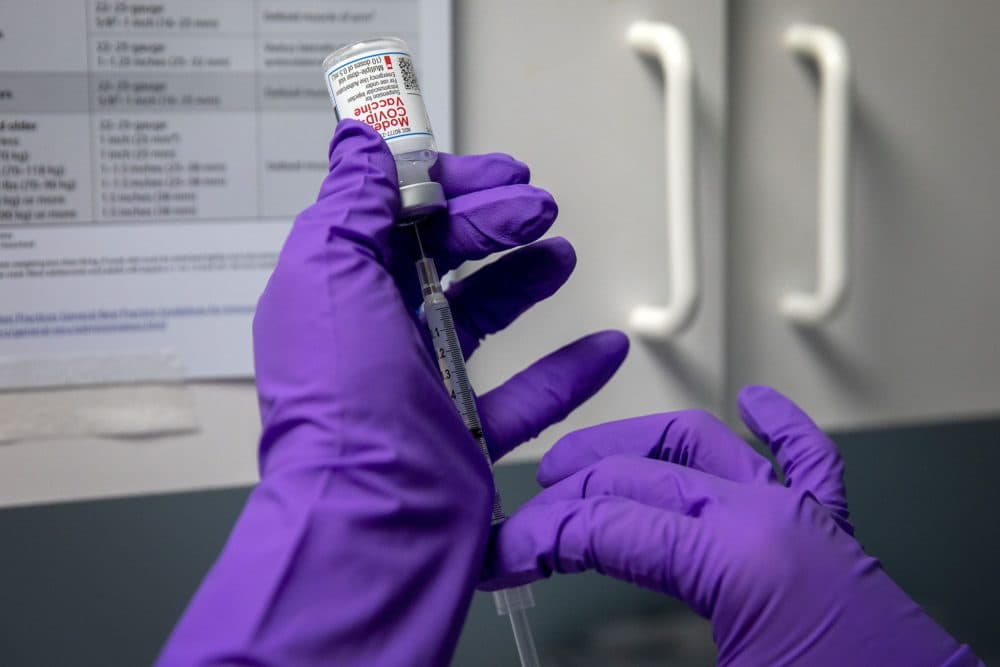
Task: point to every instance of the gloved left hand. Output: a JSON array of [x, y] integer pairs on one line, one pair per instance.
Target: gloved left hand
[[678, 503], [365, 538]]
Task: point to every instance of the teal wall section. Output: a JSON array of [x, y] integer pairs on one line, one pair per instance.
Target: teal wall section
[[101, 583]]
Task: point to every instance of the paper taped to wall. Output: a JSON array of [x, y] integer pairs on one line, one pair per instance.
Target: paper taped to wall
[[123, 395], [153, 156]]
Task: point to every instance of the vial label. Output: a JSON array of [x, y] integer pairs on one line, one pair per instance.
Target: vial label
[[381, 90]]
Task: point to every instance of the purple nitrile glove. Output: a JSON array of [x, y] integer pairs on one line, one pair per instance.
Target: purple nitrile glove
[[680, 504], [365, 538]]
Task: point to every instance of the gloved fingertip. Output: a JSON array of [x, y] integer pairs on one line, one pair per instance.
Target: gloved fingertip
[[513, 170], [520, 172], [560, 249], [764, 410], [595, 358], [538, 210], [754, 392], [750, 401], [517, 171], [612, 343], [545, 475], [561, 459], [545, 266], [550, 209]]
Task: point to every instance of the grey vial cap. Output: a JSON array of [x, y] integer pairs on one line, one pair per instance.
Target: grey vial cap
[[421, 199]]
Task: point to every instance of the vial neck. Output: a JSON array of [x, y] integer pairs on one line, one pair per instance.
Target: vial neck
[[411, 172]]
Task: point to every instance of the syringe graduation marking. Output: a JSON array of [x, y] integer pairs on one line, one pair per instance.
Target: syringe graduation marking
[[461, 376], [451, 359]]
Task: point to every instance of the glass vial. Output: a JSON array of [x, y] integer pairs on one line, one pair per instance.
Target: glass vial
[[374, 81]]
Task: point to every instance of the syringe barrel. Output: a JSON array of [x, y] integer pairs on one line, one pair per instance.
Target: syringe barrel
[[451, 363]]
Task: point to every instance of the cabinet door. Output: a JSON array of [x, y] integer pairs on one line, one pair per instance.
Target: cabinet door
[[916, 337], [557, 85]]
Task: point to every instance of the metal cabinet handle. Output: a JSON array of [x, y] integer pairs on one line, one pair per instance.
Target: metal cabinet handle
[[827, 48], [669, 46]]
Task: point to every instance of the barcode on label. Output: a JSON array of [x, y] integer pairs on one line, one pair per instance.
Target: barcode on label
[[409, 75]]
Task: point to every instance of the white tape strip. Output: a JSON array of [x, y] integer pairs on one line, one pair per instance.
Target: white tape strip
[[119, 411], [123, 395], [91, 369]]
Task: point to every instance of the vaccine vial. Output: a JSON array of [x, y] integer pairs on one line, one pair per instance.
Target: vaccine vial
[[374, 81]]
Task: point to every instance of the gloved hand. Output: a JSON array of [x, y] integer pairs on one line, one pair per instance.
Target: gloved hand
[[679, 504], [365, 538]]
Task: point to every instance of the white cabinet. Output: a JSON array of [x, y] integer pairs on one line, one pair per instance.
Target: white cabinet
[[557, 85], [916, 337]]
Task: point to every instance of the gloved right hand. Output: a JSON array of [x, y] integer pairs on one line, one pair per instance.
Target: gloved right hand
[[680, 504], [364, 540]]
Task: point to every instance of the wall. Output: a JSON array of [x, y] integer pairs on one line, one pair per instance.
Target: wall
[[101, 583]]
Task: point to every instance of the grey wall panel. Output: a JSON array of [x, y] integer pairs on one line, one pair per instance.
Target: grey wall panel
[[101, 583]]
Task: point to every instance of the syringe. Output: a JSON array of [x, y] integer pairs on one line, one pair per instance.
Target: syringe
[[512, 602], [410, 139]]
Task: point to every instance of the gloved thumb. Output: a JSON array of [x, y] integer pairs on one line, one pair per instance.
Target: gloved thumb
[[359, 198], [343, 238], [808, 458]]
